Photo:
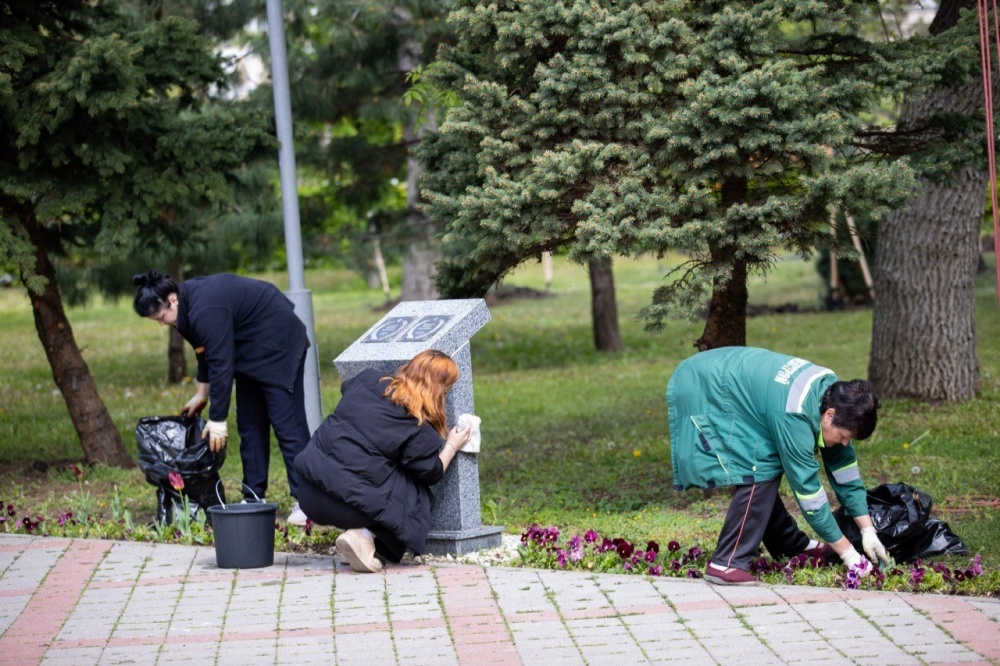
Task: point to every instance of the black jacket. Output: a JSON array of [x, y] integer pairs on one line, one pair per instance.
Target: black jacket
[[371, 454], [242, 326]]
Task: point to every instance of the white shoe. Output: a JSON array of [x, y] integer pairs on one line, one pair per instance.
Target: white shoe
[[297, 516], [358, 551]]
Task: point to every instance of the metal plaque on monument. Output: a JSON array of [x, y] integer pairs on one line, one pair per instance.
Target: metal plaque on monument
[[446, 325]]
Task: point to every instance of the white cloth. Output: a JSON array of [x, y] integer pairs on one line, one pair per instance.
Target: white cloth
[[475, 437]]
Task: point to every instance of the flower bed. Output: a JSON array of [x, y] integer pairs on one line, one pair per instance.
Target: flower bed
[[85, 520], [541, 547]]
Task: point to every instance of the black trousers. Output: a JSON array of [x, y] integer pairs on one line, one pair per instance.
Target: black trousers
[[324, 509], [260, 407], [757, 514]]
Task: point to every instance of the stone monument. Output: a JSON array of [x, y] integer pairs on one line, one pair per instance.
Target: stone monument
[[445, 325]]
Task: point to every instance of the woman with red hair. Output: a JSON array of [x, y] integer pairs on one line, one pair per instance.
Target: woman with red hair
[[369, 467]]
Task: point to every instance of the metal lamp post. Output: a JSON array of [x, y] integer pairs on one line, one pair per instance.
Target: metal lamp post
[[297, 293]]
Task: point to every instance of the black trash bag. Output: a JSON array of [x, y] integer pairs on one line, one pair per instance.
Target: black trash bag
[[940, 540], [200, 494], [901, 516], [174, 444]]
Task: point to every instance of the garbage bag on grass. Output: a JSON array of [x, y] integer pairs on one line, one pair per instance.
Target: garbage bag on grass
[[901, 515], [173, 444]]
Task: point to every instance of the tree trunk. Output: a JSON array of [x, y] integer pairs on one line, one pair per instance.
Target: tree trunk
[[607, 336], [176, 363], [726, 325], [382, 279], [423, 251], [924, 319], [98, 435]]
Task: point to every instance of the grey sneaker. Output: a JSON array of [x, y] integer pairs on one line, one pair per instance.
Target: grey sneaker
[[297, 516], [358, 551]]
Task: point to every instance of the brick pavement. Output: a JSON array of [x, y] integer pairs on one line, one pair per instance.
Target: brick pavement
[[102, 602]]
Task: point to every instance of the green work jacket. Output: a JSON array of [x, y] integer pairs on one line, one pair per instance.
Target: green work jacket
[[740, 415]]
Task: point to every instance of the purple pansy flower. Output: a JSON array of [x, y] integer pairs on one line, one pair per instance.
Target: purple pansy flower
[[624, 549]]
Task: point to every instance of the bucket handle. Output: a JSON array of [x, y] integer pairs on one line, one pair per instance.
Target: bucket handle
[[243, 485]]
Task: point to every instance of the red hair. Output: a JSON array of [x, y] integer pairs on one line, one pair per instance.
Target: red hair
[[420, 387]]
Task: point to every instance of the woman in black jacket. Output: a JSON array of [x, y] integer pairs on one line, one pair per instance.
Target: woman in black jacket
[[246, 331], [369, 467]]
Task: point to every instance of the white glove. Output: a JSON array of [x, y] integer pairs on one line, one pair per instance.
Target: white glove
[[216, 433], [872, 546], [194, 406], [853, 558]]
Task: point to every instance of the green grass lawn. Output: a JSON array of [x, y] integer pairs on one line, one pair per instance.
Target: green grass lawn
[[572, 437]]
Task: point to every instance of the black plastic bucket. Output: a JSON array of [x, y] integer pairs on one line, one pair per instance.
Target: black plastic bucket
[[244, 534]]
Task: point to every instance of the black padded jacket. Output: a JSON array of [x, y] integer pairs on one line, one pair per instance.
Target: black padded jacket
[[373, 455]]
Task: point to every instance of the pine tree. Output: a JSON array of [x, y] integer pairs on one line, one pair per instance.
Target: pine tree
[[102, 129], [348, 63], [724, 130], [191, 238]]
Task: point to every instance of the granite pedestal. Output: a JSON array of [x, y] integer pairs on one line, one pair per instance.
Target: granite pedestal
[[445, 325]]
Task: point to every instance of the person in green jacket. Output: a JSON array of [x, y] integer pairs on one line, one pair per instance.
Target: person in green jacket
[[745, 417]]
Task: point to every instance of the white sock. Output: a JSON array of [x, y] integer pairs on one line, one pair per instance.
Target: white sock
[[366, 534], [812, 544]]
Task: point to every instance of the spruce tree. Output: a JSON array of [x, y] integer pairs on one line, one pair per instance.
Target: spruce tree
[[102, 129], [724, 130], [349, 61], [191, 238]]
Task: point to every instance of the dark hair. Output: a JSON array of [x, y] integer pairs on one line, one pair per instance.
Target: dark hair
[[855, 406], [154, 287]]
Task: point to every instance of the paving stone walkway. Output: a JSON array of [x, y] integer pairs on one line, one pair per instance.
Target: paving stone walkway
[[105, 602]]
